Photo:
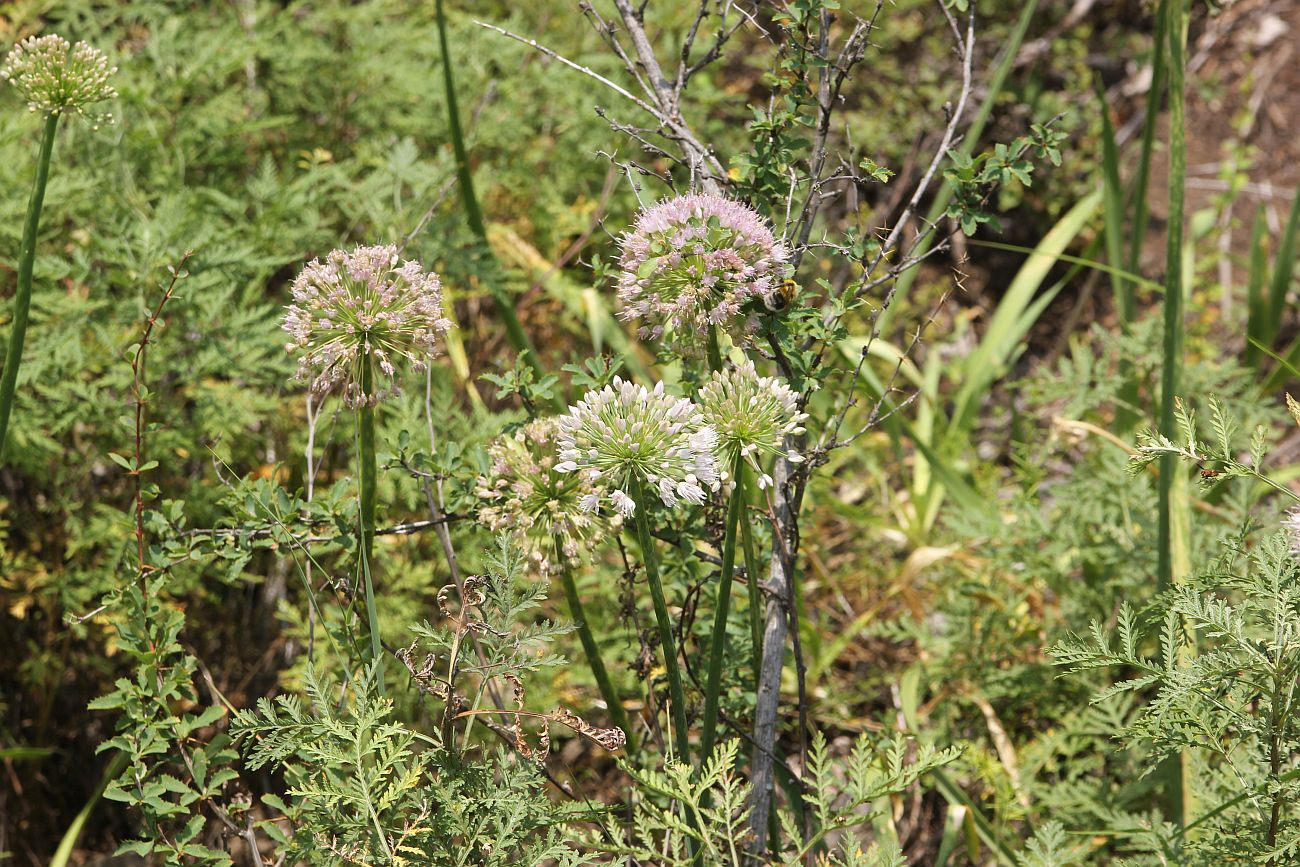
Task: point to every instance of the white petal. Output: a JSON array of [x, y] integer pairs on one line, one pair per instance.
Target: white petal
[[623, 502]]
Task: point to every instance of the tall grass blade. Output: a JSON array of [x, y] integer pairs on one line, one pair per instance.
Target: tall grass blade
[[1288, 365], [1113, 209], [1172, 361], [63, 854], [1010, 321], [1141, 209], [1173, 530], [1283, 264]]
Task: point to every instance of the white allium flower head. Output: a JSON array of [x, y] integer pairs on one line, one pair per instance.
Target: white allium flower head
[[752, 415], [56, 77], [363, 309], [626, 436], [695, 261], [524, 493]]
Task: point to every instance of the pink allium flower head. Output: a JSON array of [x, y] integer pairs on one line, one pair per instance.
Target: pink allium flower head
[[363, 309], [56, 77], [627, 436], [695, 261], [523, 493]]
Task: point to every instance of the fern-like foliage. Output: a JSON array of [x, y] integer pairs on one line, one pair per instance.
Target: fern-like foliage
[[364, 788], [1216, 662], [679, 816]]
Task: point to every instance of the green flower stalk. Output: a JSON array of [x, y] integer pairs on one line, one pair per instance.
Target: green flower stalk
[[354, 317], [752, 416], [54, 78], [637, 443]]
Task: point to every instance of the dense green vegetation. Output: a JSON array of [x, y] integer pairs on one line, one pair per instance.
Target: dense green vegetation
[[809, 432]]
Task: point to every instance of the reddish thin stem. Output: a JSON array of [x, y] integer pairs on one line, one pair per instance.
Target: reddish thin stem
[[137, 390]]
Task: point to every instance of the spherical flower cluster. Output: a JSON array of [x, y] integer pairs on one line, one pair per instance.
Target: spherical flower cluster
[[752, 415], [695, 261], [524, 493], [626, 437], [356, 315], [54, 77]]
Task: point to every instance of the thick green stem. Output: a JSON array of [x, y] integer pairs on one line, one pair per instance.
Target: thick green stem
[[26, 262], [1173, 529], [713, 685], [669, 645], [713, 350], [368, 472], [754, 593], [616, 712]]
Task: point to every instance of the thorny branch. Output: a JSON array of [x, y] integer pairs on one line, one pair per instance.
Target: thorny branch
[[662, 96]]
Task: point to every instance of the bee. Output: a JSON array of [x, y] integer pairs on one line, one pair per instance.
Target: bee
[[1207, 475], [782, 297]]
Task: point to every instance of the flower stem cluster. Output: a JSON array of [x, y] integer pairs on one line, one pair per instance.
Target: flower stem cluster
[[752, 416], [524, 492], [356, 315], [625, 437], [55, 77], [694, 262]]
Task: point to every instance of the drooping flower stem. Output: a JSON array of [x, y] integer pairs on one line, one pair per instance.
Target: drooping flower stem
[[597, 665], [713, 685], [368, 470], [667, 644], [26, 262]]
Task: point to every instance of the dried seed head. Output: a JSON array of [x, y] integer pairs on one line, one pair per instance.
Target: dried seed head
[[626, 435], [695, 261], [54, 77], [752, 415], [523, 492], [362, 312]]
